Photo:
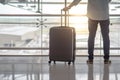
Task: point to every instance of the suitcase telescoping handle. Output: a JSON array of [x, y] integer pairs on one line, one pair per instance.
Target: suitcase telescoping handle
[[66, 18]]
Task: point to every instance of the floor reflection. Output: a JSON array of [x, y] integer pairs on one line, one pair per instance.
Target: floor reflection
[[32, 69], [92, 75], [106, 72], [20, 71], [90, 72], [61, 72]]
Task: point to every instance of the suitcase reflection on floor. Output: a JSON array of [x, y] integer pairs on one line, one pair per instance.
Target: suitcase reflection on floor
[[61, 72]]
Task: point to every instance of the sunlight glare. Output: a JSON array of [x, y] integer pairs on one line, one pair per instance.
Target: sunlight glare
[[79, 22]]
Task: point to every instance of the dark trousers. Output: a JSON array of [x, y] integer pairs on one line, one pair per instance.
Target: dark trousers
[[92, 27]]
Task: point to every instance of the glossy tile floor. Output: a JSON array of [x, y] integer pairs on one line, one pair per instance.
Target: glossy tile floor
[[37, 68]]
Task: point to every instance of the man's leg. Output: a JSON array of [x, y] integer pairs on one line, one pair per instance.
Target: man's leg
[[92, 27], [105, 34]]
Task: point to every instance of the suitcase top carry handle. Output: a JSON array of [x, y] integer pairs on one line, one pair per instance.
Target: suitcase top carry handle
[[66, 18]]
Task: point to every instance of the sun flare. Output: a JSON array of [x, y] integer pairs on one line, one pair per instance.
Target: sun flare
[[79, 23], [80, 20]]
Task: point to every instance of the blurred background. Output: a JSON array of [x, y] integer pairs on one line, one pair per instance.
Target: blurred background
[[25, 24]]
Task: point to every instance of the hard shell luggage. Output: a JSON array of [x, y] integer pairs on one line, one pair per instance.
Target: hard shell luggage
[[62, 44]]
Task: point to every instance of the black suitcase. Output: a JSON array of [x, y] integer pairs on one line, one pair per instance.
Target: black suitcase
[[62, 44]]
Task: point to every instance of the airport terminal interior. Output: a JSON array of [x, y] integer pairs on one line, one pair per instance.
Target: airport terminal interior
[[25, 39]]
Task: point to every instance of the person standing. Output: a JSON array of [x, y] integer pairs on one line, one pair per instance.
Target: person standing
[[97, 13]]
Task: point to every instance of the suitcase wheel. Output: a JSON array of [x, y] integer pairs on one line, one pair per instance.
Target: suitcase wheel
[[54, 62], [69, 62], [51, 61]]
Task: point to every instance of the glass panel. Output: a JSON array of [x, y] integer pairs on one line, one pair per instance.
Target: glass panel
[[22, 25]]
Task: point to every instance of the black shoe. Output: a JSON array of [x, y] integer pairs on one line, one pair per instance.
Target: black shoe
[[107, 61], [90, 61]]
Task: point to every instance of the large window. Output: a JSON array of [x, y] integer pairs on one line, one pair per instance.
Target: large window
[[25, 26]]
